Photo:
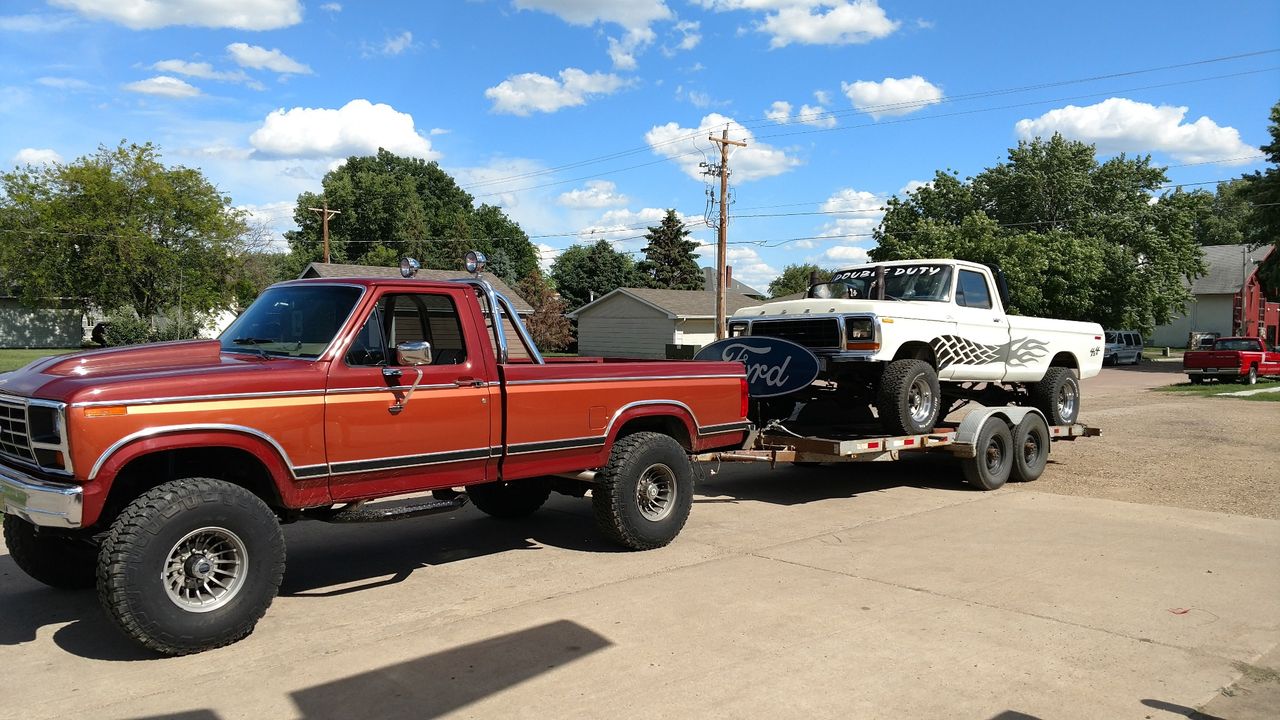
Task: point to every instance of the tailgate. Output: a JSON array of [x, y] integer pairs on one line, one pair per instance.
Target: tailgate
[[1211, 359]]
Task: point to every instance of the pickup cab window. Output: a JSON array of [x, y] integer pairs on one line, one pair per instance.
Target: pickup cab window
[[972, 291], [930, 283], [291, 321], [413, 317], [1239, 344]]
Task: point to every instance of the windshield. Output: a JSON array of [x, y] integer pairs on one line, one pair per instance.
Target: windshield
[[1238, 345], [291, 321], [1112, 338], [931, 283]]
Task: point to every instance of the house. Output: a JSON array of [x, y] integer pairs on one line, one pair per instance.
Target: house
[[642, 323], [1228, 299], [735, 286], [55, 323], [337, 270]]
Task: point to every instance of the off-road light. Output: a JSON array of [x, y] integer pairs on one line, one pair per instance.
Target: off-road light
[[475, 262], [409, 267]]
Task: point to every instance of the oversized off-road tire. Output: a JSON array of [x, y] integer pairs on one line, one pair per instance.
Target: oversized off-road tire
[[191, 565], [1196, 379], [993, 463], [910, 400], [1251, 377], [59, 561], [1057, 395], [508, 500], [643, 495], [1030, 448]]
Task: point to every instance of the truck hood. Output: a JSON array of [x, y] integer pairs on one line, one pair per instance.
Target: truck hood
[[814, 306], [172, 369]]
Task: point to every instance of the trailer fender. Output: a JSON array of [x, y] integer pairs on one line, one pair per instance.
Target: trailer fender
[[967, 432]]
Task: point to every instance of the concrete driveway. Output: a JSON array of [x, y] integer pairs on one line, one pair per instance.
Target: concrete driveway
[[876, 591]]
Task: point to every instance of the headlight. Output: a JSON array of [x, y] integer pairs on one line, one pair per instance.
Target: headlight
[[737, 328], [860, 334], [47, 426]]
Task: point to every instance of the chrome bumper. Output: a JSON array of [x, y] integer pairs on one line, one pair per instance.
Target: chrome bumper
[[40, 502]]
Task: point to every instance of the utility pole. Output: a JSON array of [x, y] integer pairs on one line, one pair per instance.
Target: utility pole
[[325, 214], [723, 242]]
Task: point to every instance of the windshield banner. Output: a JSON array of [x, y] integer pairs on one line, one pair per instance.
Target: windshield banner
[[890, 271]]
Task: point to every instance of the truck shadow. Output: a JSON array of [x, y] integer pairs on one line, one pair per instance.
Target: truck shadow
[[795, 485], [437, 684]]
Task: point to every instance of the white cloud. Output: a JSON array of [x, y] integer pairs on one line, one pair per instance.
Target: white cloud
[[546, 256], [913, 185], [398, 44], [686, 35], [595, 194], [892, 96], [531, 92], [852, 212], [748, 266], [634, 16], [36, 156], [357, 128], [1119, 124], [63, 83], [847, 254], [623, 227], [822, 96], [148, 14], [815, 115], [35, 23], [163, 85], [275, 219], [198, 69], [504, 182], [332, 7], [686, 146], [815, 22], [260, 58]]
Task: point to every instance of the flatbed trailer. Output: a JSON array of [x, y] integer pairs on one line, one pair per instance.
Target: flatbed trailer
[[991, 445]]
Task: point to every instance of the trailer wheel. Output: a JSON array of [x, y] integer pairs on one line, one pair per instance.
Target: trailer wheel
[[191, 565], [642, 497], [1030, 448], [1057, 395], [991, 466], [510, 500], [58, 561], [910, 400]]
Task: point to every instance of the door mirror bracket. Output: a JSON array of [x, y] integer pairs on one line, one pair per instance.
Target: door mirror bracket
[[413, 354]]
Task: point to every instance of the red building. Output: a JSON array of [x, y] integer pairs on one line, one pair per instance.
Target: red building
[[1229, 299]]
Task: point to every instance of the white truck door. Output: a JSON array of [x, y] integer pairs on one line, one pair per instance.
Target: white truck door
[[980, 346]]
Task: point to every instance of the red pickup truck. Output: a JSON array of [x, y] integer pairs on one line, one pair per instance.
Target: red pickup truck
[[1241, 359], [162, 473]]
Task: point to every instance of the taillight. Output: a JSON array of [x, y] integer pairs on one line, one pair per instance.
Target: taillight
[[746, 399]]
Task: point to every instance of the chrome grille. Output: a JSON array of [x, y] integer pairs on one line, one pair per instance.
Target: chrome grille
[[810, 332], [15, 438]]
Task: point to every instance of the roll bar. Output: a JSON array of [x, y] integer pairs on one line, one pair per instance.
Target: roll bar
[[497, 303]]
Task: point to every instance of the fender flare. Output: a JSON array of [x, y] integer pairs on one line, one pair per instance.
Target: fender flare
[[172, 437], [652, 408]]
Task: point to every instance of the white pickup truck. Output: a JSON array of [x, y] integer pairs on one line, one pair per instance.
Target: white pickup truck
[[910, 338]]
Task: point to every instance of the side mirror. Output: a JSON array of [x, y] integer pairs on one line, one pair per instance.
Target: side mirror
[[413, 353]]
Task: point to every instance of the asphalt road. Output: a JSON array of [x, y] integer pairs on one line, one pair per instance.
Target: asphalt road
[[882, 590]]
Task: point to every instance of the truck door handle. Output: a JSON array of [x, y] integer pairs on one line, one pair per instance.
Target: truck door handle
[[995, 320], [468, 382]]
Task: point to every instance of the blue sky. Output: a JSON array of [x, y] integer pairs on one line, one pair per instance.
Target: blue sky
[[586, 118]]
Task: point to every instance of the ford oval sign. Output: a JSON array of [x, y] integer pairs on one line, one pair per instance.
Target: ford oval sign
[[774, 366]]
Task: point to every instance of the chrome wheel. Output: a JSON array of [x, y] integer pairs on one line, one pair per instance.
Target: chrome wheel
[[921, 401], [1067, 397], [205, 569], [656, 492]]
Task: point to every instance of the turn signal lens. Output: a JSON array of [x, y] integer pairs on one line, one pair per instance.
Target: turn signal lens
[[106, 411]]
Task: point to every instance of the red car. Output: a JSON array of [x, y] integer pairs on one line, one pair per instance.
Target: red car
[[161, 473], [1239, 359]]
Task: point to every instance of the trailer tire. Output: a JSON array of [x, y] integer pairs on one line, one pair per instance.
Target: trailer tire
[[1030, 448], [992, 463], [910, 399], [58, 561], [173, 537], [1057, 395], [643, 495], [510, 500]]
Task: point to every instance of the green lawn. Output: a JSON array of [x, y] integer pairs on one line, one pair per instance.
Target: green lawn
[[1154, 353], [1212, 389], [14, 359]]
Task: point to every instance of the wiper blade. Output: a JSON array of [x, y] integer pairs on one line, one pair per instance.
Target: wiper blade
[[254, 343]]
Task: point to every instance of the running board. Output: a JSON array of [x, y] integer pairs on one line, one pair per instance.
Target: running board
[[361, 512]]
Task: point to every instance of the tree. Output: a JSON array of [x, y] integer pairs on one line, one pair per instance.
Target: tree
[[551, 330], [669, 261], [392, 206], [119, 230], [1077, 239], [1263, 192], [586, 271], [795, 279]]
